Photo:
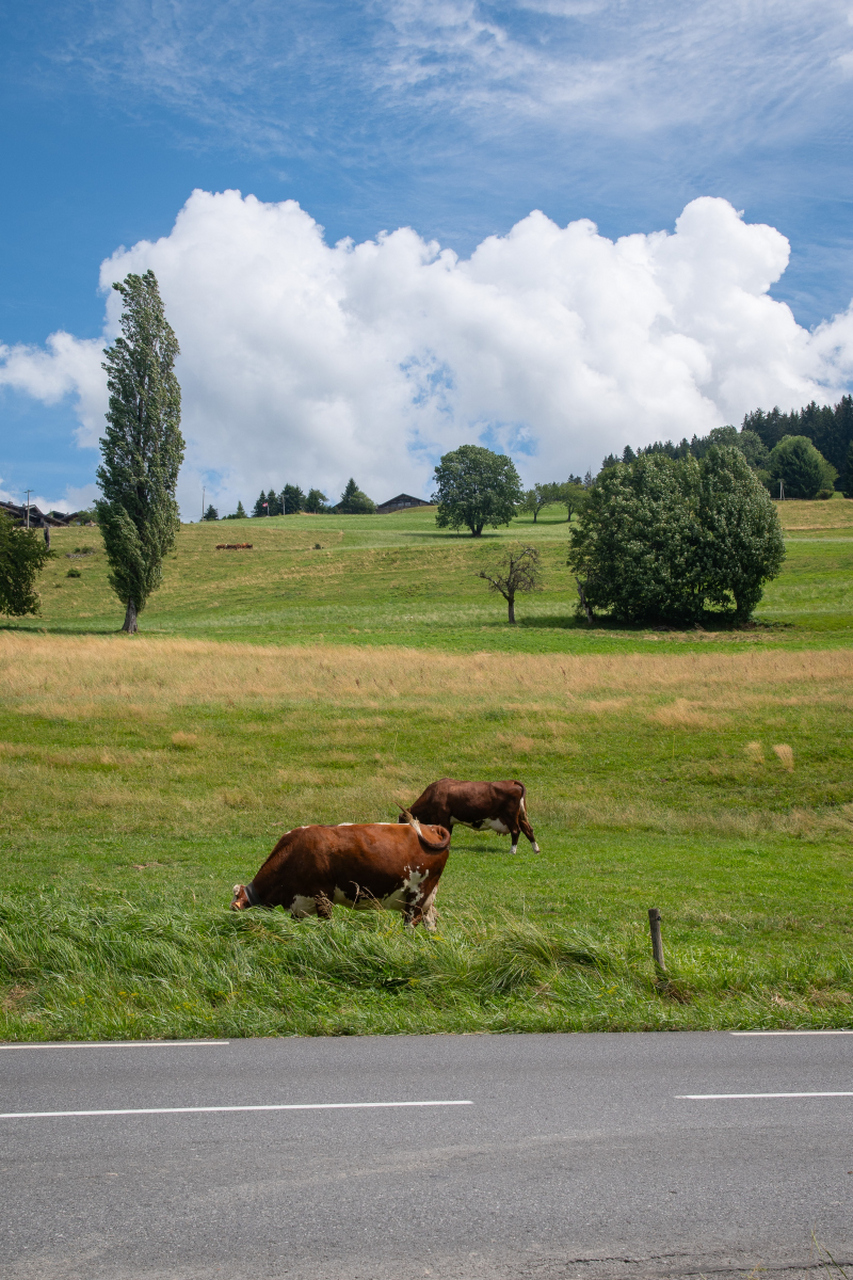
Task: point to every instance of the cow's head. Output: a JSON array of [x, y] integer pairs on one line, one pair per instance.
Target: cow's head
[[240, 901], [245, 895]]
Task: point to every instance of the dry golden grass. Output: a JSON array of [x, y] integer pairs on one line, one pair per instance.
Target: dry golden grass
[[785, 755], [683, 714], [80, 676], [571, 720], [800, 517]]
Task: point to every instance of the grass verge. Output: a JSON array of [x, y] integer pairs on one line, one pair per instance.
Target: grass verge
[[106, 967]]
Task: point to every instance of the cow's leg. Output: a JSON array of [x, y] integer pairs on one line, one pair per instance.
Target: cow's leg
[[513, 835], [423, 912], [526, 827]]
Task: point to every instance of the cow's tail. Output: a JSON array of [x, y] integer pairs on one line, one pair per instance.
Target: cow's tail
[[405, 816], [522, 804], [427, 845]]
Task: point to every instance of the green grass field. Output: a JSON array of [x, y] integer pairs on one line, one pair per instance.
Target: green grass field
[[706, 773]]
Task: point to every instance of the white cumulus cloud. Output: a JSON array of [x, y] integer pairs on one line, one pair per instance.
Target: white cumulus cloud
[[307, 363], [66, 365]]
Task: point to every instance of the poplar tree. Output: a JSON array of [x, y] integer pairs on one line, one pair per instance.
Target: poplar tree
[[142, 447]]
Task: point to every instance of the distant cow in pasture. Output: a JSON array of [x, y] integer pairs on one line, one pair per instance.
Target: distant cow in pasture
[[355, 865], [497, 806]]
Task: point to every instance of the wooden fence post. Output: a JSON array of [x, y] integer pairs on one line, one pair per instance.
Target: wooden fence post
[[657, 943]]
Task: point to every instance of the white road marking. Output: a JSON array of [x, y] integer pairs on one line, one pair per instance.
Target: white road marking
[[267, 1106], [791, 1033], [701, 1097], [115, 1044]]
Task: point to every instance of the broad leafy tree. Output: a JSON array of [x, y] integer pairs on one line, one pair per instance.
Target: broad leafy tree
[[570, 494], [316, 501], [541, 495], [573, 497], [476, 487], [517, 571], [661, 539], [22, 554], [142, 447], [742, 543]]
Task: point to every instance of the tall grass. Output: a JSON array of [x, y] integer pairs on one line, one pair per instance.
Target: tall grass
[[106, 966]]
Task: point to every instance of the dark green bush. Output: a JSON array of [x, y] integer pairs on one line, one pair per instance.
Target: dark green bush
[[661, 540]]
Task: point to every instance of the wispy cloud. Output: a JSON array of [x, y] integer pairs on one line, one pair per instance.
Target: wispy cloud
[[625, 66], [278, 78]]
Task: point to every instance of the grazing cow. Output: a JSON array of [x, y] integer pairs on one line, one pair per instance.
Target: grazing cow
[[499, 806], [354, 864]]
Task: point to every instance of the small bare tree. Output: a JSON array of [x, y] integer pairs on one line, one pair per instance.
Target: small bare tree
[[518, 570]]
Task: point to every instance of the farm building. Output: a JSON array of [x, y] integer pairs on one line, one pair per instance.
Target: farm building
[[401, 503]]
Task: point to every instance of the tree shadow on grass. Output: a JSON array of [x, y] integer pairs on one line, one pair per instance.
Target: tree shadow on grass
[[55, 629], [459, 537], [541, 622], [492, 848]]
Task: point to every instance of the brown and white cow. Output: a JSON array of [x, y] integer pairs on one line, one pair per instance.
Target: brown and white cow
[[497, 806], [356, 865]]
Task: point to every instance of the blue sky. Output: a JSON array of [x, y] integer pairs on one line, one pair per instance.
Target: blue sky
[[456, 119]]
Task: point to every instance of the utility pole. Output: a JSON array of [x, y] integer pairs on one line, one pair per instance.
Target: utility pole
[[781, 490], [29, 491]]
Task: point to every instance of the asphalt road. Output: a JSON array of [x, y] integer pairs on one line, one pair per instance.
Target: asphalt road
[[561, 1156]]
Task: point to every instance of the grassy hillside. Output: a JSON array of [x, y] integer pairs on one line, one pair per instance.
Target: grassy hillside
[[396, 579], [706, 774]]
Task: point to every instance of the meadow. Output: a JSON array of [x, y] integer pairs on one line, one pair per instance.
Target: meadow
[[706, 773]]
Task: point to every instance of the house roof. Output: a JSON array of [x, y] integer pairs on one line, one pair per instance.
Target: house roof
[[403, 500]]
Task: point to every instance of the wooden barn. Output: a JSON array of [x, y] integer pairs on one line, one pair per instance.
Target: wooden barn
[[401, 503]]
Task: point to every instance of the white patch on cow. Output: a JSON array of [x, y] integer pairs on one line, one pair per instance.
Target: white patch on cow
[[488, 824], [302, 906], [339, 898], [536, 848], [414, 880], [514, 848]]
